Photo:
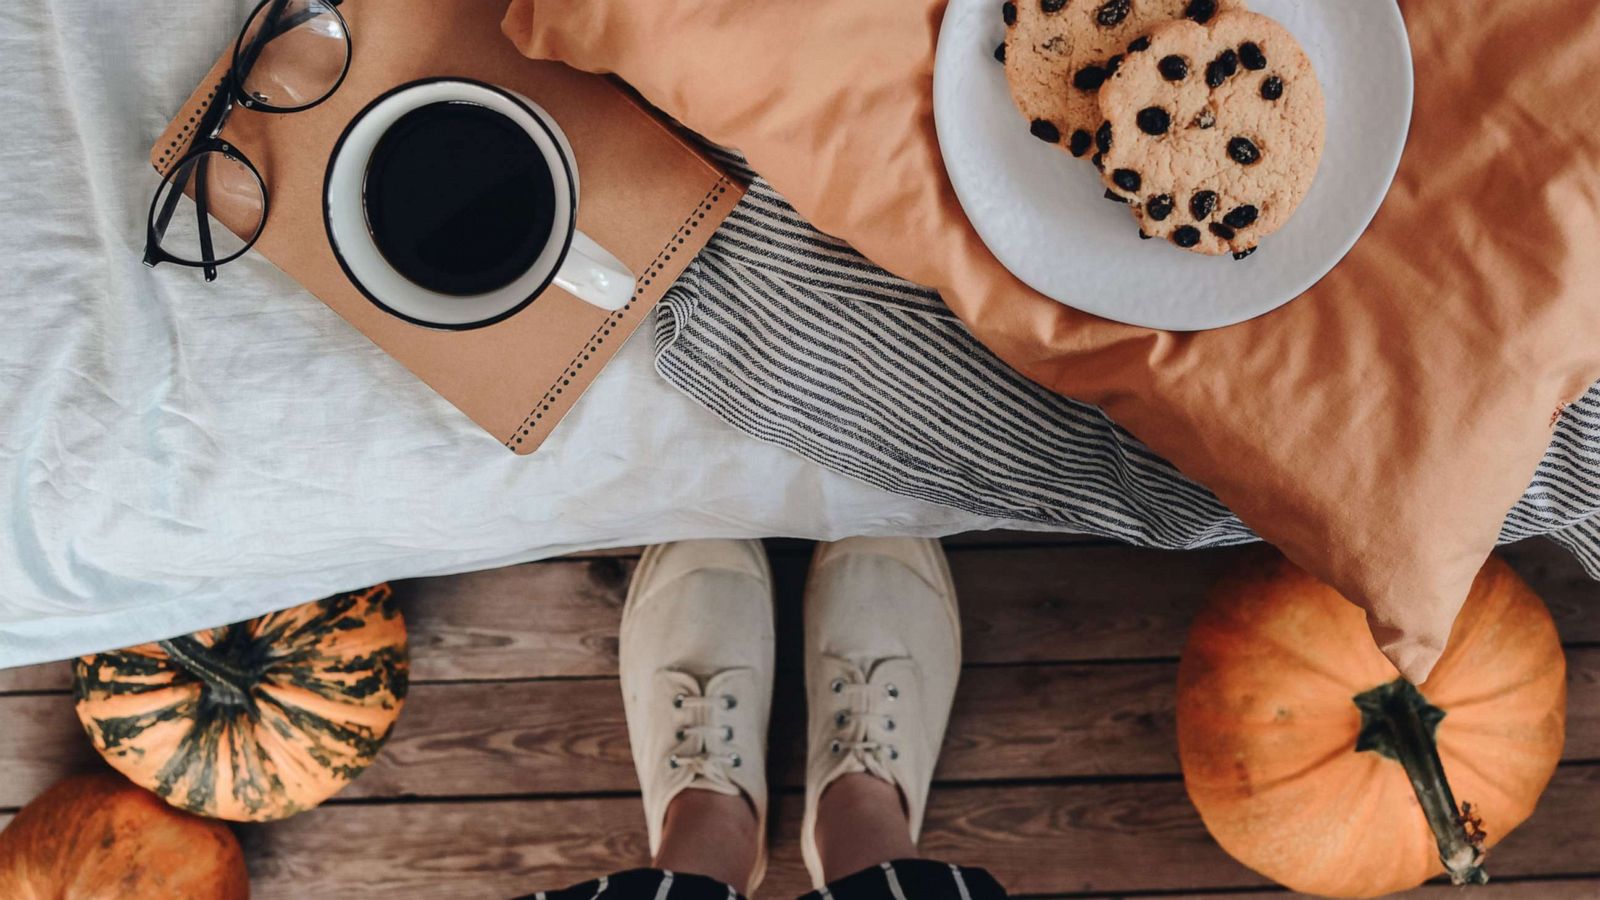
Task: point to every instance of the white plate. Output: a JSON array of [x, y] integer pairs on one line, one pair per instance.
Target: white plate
[[1043, 215]]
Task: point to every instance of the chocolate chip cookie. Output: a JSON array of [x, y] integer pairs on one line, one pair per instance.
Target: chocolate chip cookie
[[1214, 134], [1058, 53]]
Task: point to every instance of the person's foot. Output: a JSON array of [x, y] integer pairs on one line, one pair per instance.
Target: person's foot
[[882, 655], [696, 660]]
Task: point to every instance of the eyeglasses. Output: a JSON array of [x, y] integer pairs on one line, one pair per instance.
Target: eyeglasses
[[291, 56]]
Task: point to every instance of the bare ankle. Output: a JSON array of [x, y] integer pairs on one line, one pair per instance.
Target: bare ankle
[[710, 834], [861, 822]]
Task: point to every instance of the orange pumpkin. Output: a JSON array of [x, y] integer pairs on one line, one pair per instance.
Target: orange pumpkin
[[97, 837], [253, 721], [1314, 763]]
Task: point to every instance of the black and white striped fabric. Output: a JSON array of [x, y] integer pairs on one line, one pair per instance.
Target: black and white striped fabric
[[793, 337], [905, 879], [644, 884]]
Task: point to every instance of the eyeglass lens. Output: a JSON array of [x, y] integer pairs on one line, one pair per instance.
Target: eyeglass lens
[[234, 208], [293, 53]]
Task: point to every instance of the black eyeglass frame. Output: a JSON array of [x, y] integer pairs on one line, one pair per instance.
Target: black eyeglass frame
[[207, 140]]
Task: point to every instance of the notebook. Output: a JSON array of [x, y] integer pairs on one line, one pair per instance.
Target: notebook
[[648, 196]]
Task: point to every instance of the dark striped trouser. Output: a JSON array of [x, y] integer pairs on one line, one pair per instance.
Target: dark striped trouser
[[906, 879]]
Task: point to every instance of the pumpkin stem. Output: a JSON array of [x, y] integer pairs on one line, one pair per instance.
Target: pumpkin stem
[[226, 684], [1399, 723]]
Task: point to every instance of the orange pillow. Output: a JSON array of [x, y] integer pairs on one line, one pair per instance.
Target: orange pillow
[[1377, 429]]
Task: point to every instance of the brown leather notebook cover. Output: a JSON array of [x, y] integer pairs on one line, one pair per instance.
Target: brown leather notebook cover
[[648, 197]]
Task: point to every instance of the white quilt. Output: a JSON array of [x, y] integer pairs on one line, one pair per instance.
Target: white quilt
[[176, 455]]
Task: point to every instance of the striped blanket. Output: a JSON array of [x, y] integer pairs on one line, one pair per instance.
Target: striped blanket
[[793, 337]]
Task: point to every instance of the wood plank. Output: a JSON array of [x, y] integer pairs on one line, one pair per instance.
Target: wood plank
[[1085, 838], [1536, 889], [518, 738], [559, 737], [1122, 602], [529, 621], [1014, 723], [41, 743], [1583, 707], [1062, 603], [1044, 605], [1541, 889], [624, 552], [1040, 604], [56, 676], [443, 851], [1554, 573], [1121, 837]]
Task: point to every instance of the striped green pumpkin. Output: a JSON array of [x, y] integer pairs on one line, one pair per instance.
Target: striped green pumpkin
[[254, 721]]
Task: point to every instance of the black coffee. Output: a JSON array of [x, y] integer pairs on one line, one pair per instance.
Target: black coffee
[[459, 198]]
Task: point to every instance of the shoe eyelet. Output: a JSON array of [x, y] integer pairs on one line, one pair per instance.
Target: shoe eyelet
[[888, 724], [892, 691], [838, 686], [729, 701], [737, 761], [672, 761], [836, 747], [727, 732], [680, 734], [894, 753], [841, 719], [677, 700]]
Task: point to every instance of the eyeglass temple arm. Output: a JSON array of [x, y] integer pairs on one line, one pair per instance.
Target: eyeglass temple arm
[[168, 208], [209, 125], [202, 208]]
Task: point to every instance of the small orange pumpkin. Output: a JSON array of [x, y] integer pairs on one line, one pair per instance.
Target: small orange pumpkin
[[97, 837], [253, 721], [1314, 763]]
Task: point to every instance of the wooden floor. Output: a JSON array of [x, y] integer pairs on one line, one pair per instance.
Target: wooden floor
[[510, 772]]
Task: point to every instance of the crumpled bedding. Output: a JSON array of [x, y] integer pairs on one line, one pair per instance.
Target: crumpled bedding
[[1378, 430], [177, 455]]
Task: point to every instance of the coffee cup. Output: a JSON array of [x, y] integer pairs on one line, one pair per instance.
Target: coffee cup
[[452, 204]]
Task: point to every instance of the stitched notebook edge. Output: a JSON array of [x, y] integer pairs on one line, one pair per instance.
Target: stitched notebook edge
[[174, 141], [691, 223]]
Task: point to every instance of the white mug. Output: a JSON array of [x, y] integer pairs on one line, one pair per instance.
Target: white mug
[[570, 259]]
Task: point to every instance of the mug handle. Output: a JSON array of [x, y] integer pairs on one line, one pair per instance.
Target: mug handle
[[593, 275]]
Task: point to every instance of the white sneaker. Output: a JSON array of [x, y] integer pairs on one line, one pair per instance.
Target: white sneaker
[[696, 661], [883, 655]]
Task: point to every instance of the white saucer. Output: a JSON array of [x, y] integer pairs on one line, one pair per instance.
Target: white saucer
[[1042, 213]]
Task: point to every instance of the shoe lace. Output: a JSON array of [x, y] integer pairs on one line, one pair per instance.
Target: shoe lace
[[864, 720], [702, 733]]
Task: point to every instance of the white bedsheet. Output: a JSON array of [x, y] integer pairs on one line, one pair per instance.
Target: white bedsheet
[[177, 455]]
